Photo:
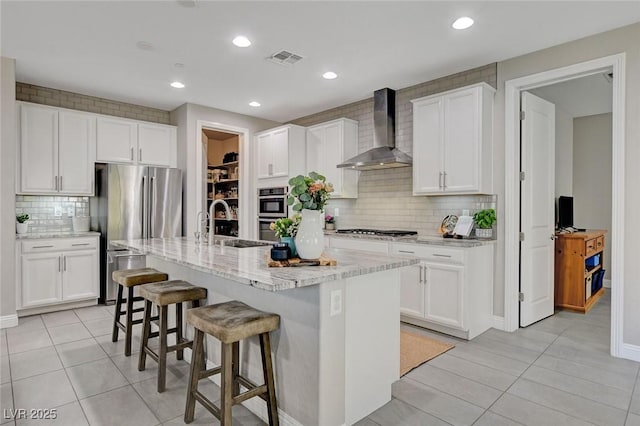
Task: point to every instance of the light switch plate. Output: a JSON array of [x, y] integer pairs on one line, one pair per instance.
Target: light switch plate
[[336, 303], [336, 211]]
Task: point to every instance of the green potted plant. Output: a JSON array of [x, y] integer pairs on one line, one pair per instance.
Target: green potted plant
[[484, 220], [21, 223], [286, 229]]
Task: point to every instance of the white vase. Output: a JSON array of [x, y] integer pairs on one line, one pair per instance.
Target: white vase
[[310, 237], [22, 228]]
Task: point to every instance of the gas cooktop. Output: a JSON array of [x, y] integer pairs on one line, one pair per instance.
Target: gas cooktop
[[389, 233]]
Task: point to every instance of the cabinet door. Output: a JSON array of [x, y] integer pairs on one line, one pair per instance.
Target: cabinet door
[[41, 279], [117, 140], [156, 145], [333, 155], [412, 297], [263, 157], [428, 140], [279, 147], [444, 294], [316, 150], [80, 275], [38, 149], [77, 139], [462, 141]]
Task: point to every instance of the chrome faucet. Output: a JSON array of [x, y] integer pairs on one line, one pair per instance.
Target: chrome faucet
[[201, 233], [212, 216]]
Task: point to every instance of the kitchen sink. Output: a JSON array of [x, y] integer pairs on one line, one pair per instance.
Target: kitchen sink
[[240, 243]]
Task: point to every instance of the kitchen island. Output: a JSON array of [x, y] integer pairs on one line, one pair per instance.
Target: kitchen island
[[337, 350]]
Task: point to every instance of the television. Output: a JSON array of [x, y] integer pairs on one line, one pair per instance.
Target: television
[[565, 211]]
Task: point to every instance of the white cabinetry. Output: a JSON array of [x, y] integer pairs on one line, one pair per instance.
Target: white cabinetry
[[450, 290], [132, 142], [329, 144], [280, 152], [452, 142], [56, 271], [57, 151]]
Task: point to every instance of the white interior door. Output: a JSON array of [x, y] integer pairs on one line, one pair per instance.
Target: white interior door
[[537, 209]]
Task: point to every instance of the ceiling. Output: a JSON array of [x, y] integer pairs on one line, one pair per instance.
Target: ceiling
[[89, 46], [580, 97]]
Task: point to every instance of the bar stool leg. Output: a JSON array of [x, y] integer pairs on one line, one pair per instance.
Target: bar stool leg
[[194, 374], [146, 330], [116, 316], [179, 352], [267, 368], [162, 354], [235, 367], [226, 399], [129, 327]]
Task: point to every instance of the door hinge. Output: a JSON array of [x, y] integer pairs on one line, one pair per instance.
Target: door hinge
[[521, 297], [521, 115], [522, 236], [522, 175]]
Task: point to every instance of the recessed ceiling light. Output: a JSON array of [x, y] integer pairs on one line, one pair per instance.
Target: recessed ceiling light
[[177, 85], [254, 104], [144, 45], [330, 75], [178, 65], [242, 41], [462, 23]]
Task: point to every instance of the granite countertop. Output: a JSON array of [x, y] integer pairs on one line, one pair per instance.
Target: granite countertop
[[35, 236], [415, 239], [248, 265]]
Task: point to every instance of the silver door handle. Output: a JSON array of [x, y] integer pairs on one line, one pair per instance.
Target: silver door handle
[[420, 280], [444, 180], [42, 247], [144, 206], [152, 196], [140, 154], [59, 264], [60, 177], [441, 255], [131, 153], [270, 169], [64, 263], [424, 274], [406, 251], [56, 182], [83, 244], [440, 180]]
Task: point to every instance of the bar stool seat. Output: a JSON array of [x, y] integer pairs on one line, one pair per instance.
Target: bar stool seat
[[163, 294], [130, 278], [231, 322]]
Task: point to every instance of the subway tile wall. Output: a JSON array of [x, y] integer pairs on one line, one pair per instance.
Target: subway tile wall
[[42, 212], [60, 98], [385, 197]]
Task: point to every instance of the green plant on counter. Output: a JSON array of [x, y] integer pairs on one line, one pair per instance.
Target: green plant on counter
[[286, 227], [22, 218], [484, 219], [309, 192]]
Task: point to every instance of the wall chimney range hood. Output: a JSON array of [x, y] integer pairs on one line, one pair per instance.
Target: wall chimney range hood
[[384, 154]]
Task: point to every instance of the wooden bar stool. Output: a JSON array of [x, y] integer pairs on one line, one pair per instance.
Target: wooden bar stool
[[231, 322], [131, 278], [164, 294]]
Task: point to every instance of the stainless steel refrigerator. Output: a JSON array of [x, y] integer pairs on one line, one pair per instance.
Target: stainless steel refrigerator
[[133, 202]]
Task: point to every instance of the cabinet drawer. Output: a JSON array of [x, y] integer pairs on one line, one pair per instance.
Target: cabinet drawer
[[87, 243], [60, 244], [431, 253], [590, 247], [600, 243], [360, 244]]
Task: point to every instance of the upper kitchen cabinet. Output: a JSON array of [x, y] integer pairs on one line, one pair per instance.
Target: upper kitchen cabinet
[[329, 144], [280, 152], [452, 142], [132, 142], [57, 150]]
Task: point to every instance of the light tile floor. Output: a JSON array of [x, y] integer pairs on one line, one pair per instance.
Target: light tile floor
[[555, 372]]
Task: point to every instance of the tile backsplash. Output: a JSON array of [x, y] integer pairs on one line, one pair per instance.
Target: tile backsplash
[[385, 201], [42, 212]]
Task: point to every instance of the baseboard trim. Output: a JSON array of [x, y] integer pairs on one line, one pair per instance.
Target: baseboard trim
[[498, 322], [630, 351], [256, 405], [57, 307], [606, 283], [8, 321]]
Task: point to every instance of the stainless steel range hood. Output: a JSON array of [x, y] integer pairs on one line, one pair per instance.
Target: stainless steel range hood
[[384, 154]]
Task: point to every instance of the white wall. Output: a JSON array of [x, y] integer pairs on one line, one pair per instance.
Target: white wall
[[564, 153], [613, 42], [592, 176], [7, 190], [189, 141]]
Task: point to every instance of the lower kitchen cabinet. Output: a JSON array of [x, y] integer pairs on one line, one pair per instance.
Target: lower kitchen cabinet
[[450, 291], [57, 271]]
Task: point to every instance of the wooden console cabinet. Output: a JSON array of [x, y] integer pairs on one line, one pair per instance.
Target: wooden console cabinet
[[572, 273]]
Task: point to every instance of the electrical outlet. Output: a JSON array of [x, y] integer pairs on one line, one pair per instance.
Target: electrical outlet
[[336, 211], [336, 303], [71, 212], [57, 211]]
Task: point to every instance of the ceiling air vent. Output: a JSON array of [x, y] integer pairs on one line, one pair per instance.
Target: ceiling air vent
[[284, 58]]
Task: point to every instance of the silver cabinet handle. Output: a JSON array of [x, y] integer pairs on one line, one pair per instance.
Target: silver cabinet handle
[[270, 169], [131, 153], [64, 263], [406, 251], [441, 255], [42, 247], [60, 178], [59, 264], [420, 280], [140, 154], [56, 182], [424, 271], [444, 181], [80, 244], [440, 180]]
